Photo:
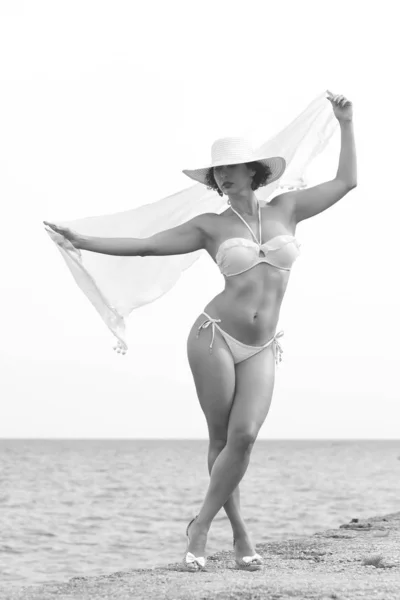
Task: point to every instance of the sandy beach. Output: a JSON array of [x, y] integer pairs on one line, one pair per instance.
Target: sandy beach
[[360, 559]]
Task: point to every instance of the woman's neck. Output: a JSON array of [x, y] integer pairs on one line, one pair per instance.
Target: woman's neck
[[244, 203]]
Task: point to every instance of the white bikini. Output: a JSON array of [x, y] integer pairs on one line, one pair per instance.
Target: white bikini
[[238, 255]]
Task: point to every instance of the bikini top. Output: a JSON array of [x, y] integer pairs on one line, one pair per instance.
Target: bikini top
[[237, 255]]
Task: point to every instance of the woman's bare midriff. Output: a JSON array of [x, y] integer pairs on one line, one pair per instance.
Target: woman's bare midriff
[[250, 304]]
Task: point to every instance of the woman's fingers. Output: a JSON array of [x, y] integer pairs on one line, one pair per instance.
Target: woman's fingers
[[61, 230], [55, 227], [338, 99], [51, 225]]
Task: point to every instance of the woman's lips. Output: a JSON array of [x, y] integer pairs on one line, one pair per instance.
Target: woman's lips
[[226, 184]]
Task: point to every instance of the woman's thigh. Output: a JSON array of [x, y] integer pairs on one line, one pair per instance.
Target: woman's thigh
[[255, 379], [214, 378]]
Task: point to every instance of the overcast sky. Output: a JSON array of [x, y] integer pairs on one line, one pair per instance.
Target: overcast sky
[[102, 103]]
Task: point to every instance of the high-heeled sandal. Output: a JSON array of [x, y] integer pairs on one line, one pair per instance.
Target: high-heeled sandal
[[249, 563], [190, 561]]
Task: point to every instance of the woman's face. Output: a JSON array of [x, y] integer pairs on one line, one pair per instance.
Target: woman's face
[[233, 178]]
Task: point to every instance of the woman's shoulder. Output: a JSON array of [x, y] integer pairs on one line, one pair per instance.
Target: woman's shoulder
[[208, 219], [211, 223]]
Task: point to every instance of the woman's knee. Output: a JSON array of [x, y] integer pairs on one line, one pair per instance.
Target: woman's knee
[[217, 444], [242, 439], [214, 450]]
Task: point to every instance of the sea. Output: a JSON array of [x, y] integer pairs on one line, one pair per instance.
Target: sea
[[73, 508]]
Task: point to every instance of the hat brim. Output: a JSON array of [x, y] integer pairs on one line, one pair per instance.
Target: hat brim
[[277, 165]]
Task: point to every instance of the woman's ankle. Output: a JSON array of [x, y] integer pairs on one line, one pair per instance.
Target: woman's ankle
[[201, 525], [239, 530]]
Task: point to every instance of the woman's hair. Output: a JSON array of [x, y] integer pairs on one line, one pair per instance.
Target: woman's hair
[[260, 177]]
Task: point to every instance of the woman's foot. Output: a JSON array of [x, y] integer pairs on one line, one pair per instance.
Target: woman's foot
[[194, 559], [245, 555]]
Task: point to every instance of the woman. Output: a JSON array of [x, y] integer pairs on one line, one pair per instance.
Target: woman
[[233, 346]]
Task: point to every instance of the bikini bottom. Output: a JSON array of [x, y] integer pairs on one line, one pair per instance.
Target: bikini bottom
[[239, 350]]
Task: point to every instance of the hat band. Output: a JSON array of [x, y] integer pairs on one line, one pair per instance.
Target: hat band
[[231, 159]]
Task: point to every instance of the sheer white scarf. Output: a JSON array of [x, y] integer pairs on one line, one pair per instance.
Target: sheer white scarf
[[116, 285]]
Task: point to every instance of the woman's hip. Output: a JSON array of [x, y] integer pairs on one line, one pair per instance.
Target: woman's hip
[[211, 328]]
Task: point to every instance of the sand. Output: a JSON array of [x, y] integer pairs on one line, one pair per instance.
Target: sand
[[360, 559]]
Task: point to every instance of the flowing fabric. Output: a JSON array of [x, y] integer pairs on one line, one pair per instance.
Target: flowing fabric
[[116, 285]]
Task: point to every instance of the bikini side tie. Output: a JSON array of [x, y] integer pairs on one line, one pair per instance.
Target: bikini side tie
[[209, 321], [278, 347]]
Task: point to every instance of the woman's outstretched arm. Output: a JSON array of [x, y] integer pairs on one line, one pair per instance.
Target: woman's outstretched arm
[[185, 238]]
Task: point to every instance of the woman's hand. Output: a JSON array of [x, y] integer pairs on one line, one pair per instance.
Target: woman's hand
[[342, 107], [69, 234]]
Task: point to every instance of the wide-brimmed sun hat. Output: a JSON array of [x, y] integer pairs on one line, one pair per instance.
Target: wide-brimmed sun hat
[[234, 151]]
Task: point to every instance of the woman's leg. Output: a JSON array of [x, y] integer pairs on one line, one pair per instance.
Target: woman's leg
[[255, 379], [232, 505], [214, 377]]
